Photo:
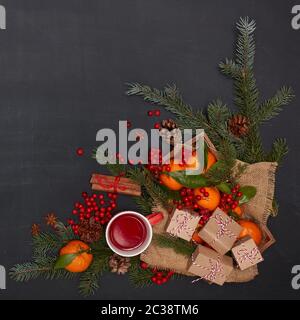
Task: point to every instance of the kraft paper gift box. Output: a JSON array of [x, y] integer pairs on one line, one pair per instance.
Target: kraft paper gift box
[[220, 232], [182, 224], [210, 265], [246, 253]]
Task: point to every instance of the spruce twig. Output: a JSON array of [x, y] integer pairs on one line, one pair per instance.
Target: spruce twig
[[178, 245]]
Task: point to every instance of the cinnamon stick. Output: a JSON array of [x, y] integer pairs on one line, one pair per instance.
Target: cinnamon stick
[[121, 185]]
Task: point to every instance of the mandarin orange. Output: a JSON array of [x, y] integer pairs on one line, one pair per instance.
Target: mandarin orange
[[83, 259]]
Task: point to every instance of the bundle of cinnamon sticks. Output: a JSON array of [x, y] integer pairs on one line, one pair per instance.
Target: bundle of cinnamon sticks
[[114, 184]]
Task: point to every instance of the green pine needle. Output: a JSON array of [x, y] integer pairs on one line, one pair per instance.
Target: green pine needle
[[180, 246], [272, 107]]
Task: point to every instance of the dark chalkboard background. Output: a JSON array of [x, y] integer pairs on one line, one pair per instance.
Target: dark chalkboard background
[[63, 69]]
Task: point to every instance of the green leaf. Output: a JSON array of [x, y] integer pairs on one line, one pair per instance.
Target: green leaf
[[224, 187], [64, 260], [248, 193], [174, 195], [189, 181]]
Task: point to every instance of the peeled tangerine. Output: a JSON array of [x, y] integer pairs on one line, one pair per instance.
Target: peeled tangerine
[[210, 202]]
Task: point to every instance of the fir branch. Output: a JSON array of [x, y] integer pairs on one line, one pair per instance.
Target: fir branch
[[89, 280], [271, 107], [144, 203], [46, 242], [137, 276], [230, 68], [218, 116], [32, 270], [253, 147], [143, 177], [64, 232], [178, 245], [171, 99], [222, 170], [278, 151]]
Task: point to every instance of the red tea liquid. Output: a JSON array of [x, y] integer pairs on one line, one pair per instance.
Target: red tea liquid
[[127, 232]]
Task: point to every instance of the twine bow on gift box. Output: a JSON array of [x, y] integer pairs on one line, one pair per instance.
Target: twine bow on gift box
[[223, 226], [243, 254], [182, 220], [215, 270]]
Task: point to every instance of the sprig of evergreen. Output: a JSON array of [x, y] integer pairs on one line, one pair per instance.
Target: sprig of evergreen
[[178, 245], [137, 276], [272, 107], [89, 280], [45, 249]]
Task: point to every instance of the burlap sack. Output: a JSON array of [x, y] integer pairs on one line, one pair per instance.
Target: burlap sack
[[260, 175]]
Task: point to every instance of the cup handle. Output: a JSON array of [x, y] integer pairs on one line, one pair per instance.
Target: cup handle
[[155, 218]]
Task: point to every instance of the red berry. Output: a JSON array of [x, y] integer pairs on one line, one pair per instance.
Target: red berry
[[77, 205], [150, 113], [109, 194], [101, 215], [97, 219], [233, 206], [229, 200], [74, 212], [182, 193], [233, 190], [237, 186], [129, 124], [84, 194], [157, 126], [154, 279], [239, 194], [159, 282], [202, 190], [189, 191], [114, 196], [198, 197], [144, 265], [102, 221], [164, 279], [196, 206], [206, 194], [76, 231], [159, 274], [102, 202], [179, 207], [101, 196], [109, 208], [157, 113], [113, 205], [80, 152]]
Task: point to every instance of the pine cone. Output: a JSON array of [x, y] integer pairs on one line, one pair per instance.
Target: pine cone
[[168, 124], [239, 125], [89, 230], [169, 131], [119, 264]]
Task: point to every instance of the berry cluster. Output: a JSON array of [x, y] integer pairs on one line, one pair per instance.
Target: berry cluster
[[155, 165], [231, 201], [159, 277], [152, 113], [190, 200], [93, 206]]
